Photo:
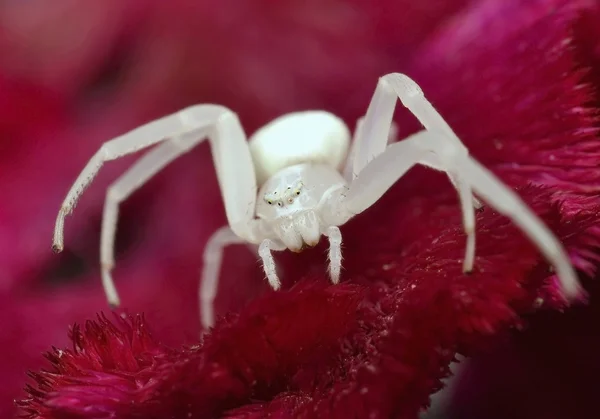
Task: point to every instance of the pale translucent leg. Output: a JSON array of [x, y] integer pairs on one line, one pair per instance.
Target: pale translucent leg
[[213, 255], [370, 148], [503, 199], [349, 166], [235, 170], [396, 85], [376, 179], [381, 173], [468, 213], [138, 139], [475, 203], [144, 169], [182, 130], [373, 135], [264, 251], [468, 202], [335, 253], [376, 129]]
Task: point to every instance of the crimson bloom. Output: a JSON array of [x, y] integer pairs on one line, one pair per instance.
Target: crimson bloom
[[517, 82]]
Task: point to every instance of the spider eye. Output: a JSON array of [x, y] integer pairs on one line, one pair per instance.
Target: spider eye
[[279, 204], [297, 192], [269, 202]]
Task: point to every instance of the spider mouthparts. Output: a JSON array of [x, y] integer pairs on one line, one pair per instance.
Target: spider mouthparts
[[57, 248], [467, 271], [305, 245]]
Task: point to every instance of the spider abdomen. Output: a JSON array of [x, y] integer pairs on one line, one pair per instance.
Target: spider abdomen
[[300, 137]]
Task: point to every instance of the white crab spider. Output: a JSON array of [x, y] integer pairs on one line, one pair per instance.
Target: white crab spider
[[310, 183]]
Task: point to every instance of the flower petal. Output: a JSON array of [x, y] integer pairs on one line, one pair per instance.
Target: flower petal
[[404, 254]]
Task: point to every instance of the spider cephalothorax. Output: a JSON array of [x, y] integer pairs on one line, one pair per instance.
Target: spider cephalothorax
[[298, 179]]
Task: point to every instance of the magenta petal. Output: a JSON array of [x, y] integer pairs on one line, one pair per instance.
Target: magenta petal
[[107, 362], [123, 371], [377, 349], [556, 355], [380, 346], [516, 95]]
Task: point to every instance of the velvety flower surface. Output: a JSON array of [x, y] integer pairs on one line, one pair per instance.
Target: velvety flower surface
[[557, 355], [509, 79], [148, 59]]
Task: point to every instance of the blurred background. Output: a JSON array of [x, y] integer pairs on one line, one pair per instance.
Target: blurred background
[[74, 74]]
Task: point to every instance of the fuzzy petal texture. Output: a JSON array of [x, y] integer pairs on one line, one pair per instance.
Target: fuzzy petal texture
[[378, 345], [557, 354], [74, 75]]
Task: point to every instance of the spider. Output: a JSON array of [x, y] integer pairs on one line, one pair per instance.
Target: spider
[[300, 177]]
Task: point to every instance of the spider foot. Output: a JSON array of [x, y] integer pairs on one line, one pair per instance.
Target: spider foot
[[109, 287]]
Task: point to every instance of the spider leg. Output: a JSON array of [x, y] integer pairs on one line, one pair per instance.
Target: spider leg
[[410, 94], [213, 255], [373, 132], [357, 140], [144, 169], [378, 176], [182, 131], [468, 202], [507, 202], [349, 165], [399, 86], [424, 148], [468, 214], [264, 251], [239, 192], [140, 138]]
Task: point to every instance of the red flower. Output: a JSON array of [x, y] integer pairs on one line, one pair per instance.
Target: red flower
[[557, 355], [509, 78], [106, 363]]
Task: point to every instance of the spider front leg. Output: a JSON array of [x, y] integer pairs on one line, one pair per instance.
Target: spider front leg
[[375, 130], [213, 255], [428, 148], [179, 132], [357, 143], [450, 155], [507, 202], [468, 203], [144, 169]]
